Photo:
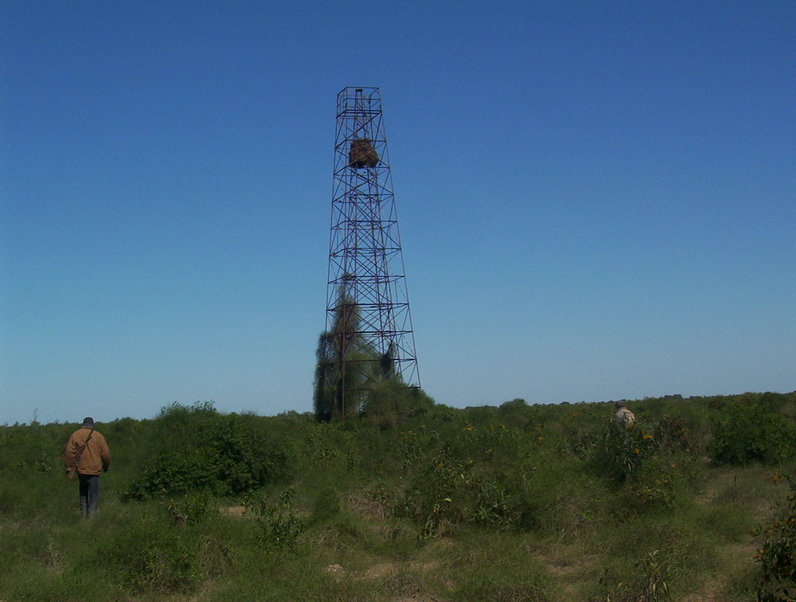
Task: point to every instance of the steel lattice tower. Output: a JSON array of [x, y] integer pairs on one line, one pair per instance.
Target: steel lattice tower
[[367, 304]]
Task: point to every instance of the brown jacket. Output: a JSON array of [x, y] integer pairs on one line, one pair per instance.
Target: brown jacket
[[94, 459], [625, 417]]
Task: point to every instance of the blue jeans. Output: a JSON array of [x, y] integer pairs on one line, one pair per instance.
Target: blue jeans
[[89, 493]]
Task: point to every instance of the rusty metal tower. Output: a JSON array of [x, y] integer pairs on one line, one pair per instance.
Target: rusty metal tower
[[367, 304]]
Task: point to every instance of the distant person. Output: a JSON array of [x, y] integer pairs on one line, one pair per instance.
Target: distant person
[[624, 417], [87, 455]]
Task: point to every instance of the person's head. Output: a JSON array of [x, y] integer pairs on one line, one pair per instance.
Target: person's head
[[88, 421], [619, 405]]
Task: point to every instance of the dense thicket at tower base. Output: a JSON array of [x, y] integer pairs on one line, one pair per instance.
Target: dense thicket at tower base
[[354, 379]]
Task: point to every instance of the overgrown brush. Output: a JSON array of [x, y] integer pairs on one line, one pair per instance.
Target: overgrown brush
[[777, 555], [517, 502], [278, 519], [751, 432], [623, 450], [191, 509], [196, 449]]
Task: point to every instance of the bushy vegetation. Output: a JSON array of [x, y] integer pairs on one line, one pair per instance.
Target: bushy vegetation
[[750, 431], [409, 500], [777, 556], [196, 449]]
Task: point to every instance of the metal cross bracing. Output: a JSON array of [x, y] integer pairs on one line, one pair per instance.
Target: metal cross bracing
[[366, 269]]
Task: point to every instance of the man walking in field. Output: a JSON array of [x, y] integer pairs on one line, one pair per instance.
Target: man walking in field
[[87, 455], [624, 417]]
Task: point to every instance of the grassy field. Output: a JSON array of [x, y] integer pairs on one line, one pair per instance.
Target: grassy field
[[516, 502]]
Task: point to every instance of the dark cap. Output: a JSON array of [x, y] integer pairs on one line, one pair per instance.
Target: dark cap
[[88, 421]]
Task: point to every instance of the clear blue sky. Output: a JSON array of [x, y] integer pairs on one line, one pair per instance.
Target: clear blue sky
[[597, 200]]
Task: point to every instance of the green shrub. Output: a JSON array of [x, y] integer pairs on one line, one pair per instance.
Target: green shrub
[[318, 448], [191, 509], [493, 506], [33, 448], [674, 435], [199, 449], [623, 450], [278, 520], [438, 494], [515, 413], [449, 488], [175, 474], [652, 485], [583, 443], [777, 556], [749, 432]]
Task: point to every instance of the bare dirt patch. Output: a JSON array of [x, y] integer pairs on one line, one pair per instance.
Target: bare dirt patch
[[239, 511]]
